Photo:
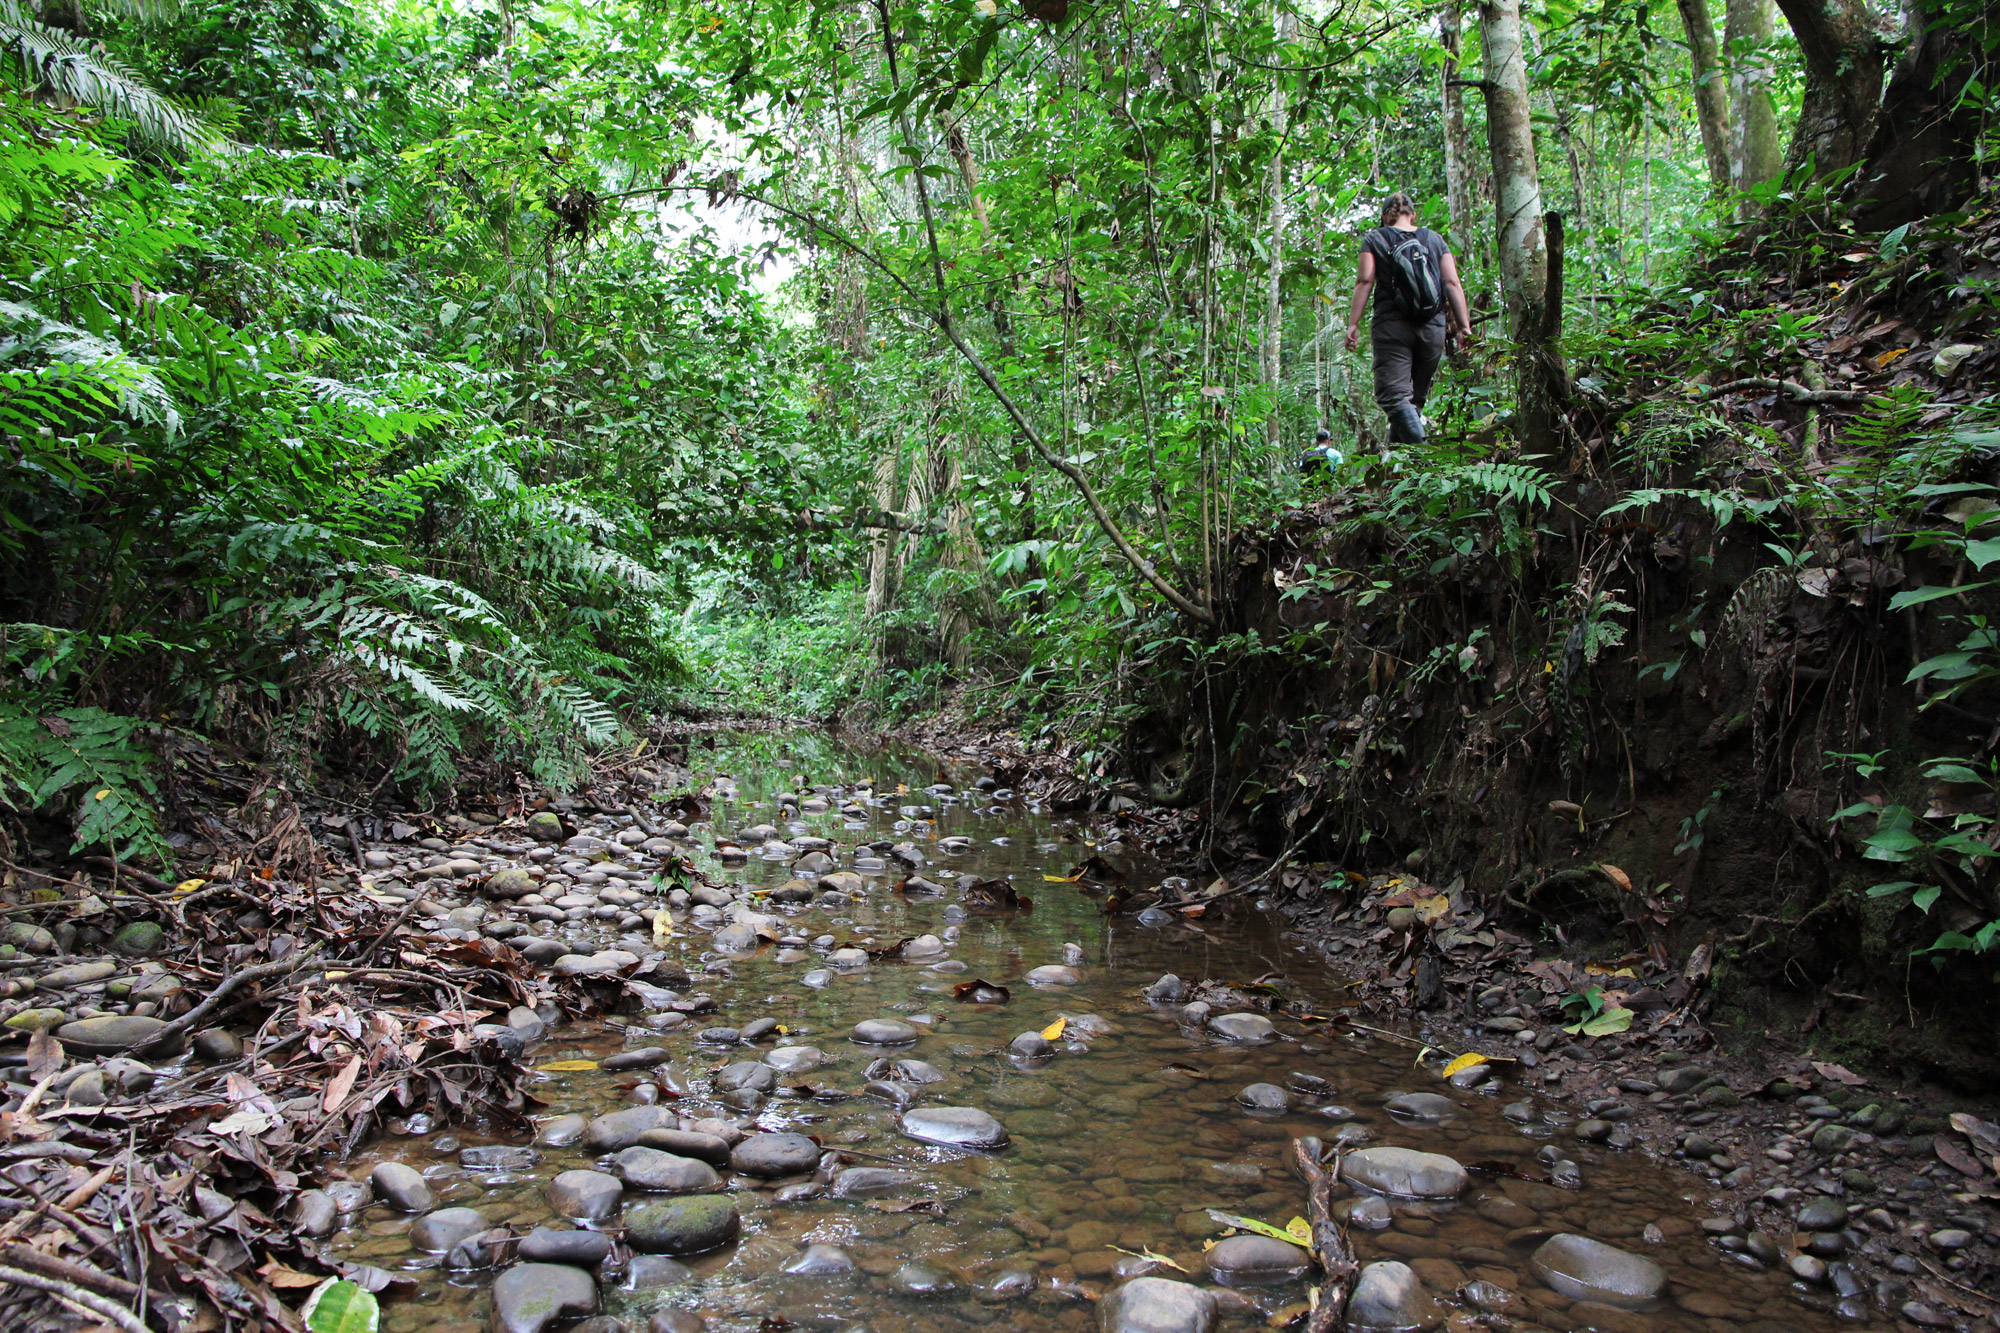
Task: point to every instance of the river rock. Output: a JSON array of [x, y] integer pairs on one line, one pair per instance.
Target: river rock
[[1243, 1027], [1420, 1106], [315, 1214], [1405, 1173], [954, 1127], [922, 1280], [663, 1172], [1822, 1215], [562, 1131], [691, 1225], [529, 1298], [38, 1020], [645, 1057], [795, 1059], [1390, 1298], [401, 1187], [870, 1182], [582, 1249], [1265, 1097], [1032, 1046], [923, 946], [589, 1195], [884, 1032], [819, 1261], [439, 1231], [710, 1148], [1157, 1305], [769, 1156], [545, 826], [218, 1046], [750, 1074], [916, 1071], [621, 1129], [511, 883], [737, 937], [1256, 1260], [138, 939], [1169, 989], [757, 1029], [76, 974], [1054, 974], [114, 1034], [1589, 1270]]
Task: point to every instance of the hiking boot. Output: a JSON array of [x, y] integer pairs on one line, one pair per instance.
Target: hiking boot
[[1406, 424]]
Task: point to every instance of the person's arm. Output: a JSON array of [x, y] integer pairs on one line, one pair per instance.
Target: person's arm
[[1454, 295], [1364, 280]]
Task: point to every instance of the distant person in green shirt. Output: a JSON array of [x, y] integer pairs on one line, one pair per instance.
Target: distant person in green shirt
[[1415, 280]]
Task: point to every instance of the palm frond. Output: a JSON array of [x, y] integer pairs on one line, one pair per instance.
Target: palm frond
[[87, 75]]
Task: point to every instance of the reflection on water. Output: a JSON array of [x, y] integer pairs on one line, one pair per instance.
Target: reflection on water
[[1120, 1144]]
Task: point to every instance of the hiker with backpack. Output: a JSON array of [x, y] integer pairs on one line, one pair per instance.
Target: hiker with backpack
[[1415, 280]]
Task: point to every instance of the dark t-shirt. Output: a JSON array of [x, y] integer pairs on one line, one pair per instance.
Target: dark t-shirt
[[1381, 242]]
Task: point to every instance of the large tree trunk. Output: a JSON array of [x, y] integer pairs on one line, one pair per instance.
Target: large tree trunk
[[1457, 140], [1843, 58], [1753, 120], [1518, 233], [1711, 90], [1921, 159]]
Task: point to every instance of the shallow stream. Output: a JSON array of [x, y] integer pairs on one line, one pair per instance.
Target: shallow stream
[[1120, 1144]]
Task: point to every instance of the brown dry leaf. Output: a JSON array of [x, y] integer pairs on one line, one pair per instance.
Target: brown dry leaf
[[1839, 1074], [1957, 1158], [1888, 358], [277, 1275], [342, 1084], [1432, 908], [1985, 1135], [1616, 876], [45, 1055]]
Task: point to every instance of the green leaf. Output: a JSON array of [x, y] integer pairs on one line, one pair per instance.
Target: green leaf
[[1923, 898], [340, 1306], [1918, 596], [1893, 887], [1261, 1228], [1983, 552], [1950, 771], [1604, 1024]]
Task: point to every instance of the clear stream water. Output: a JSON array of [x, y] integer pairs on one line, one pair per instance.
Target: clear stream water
[[1121, 1143]]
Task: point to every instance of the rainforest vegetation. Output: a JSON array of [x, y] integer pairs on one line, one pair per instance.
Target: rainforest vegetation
[[398, 391]]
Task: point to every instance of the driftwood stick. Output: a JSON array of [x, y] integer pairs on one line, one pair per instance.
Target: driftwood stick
[[1329, 1242], [1793, 389], [232, 983], [70, 1294], [82, 1275]]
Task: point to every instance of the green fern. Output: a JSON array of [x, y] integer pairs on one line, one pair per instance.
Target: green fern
[[89, 760]]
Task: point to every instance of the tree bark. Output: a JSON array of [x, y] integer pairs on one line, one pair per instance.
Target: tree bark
[[1921, 159], [1457, 140], [1711, 90], [1843, 58], [1753, 121], [1272, 352], [1518, 232]]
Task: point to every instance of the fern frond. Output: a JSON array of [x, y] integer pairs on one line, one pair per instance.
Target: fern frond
[[88, 76]]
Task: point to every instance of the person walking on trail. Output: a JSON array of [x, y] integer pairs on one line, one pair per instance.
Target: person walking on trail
[[1415, 280]]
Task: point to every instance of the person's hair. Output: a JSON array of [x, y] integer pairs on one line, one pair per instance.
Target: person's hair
[[1322, 436], [1396, 205]]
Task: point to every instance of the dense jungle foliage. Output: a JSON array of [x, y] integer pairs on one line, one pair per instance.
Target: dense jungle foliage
[[392, 390]]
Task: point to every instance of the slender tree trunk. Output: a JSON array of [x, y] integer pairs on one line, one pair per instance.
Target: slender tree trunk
[[1575, 156], [1843, 58], [884, 548], [1457, 140], [1753, 121], [1711, 90], [1518, 231], [1272, 352]]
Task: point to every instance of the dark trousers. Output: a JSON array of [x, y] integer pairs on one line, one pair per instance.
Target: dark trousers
[[1406, 360]]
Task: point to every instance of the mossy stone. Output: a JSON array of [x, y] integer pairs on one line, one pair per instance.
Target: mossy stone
[[139, 939]]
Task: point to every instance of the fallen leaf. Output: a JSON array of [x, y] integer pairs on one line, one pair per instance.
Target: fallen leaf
[[1984, 1134], [1889, 358], [1299, 1230], [1839, 1074], [1957, 1158], [245, 1121], [1616, 876], [1602, 1025], [342, 1084], [980, 991], [1949, 359], [1252, 1224], [1146, 1253], [277, 1275], [1466, 1061], [1054, 1031], [45, 1054], [1063, 879], [566, 1067]]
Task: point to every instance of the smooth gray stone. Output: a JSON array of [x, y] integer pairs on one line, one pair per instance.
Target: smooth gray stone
[[1032, 1046], [498, 1157], [884, 1032], [114, 1034], [528, 1298], [1405, 1173], [437, 1232], [890, 1093], [710, 1148], [795, 1059], [621, 1129], [1169, 989], [922, 1280], [651, 1271], [401, 1187], [562, 1131], [819, 1261], [315, 1214], [1420, 1106], [870, 1182], [690, 1225], [746, 1074], [1157, 1305], [1054, 974], [769, 1156], [1589, 1270], [1390, 1298], [663, 1172], [1243, 1027], [643, 1058], [916, 1071], [1265, 1097], [954, 1127], [589, 1195], [1256, 1261], [581, 1249]]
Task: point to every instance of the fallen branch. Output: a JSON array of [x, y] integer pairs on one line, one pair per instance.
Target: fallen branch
[[72, 1295], [1799, 392], [1329, 1243], [82, 1275], [229, 986]]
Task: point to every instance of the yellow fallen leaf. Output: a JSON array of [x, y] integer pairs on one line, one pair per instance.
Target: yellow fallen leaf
[[1063, 879], [1054, 1031], [188, 886], [1301, 1228], [784, 1031], [1432, 908], [1889, 358], [101, 795], [663, 928], [1466, 1061], [1616, 876], [566, 1067]]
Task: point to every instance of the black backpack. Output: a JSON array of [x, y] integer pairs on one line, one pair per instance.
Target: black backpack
[[1417, 285]]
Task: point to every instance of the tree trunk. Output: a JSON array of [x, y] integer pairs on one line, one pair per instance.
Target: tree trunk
[[1843, 59], [885, 552], [1271, 358], [1711, 90], [1753, 121], [1518, 233], [1922, 157], [1457, 141]]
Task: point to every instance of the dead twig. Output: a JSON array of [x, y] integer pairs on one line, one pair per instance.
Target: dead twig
[[70, 1294], [1329, 1242], [1799, 393]]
